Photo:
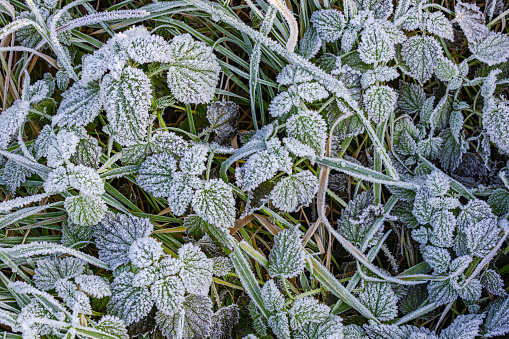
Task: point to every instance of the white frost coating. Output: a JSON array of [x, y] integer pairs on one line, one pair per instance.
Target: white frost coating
[[309, 128], [380, 102], [193, 161], [329, 24], [380, 299], [80, 105], [156, 174], [7, 206], [10, 121], [421, 54], [196, 273], [194, 70], [214, 202], [85, 210], [287, 256], [294, 192], [145, 252], [272, 298], [94, 285], [307, 310], [62, 148]]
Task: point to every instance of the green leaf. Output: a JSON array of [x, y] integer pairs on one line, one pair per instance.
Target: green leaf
[[196, 273], [329, 24], [214, 202], [287, 256], [193, 70], [85, 210], [380, 299], [294, 192], [452, 152], [79, 106], [421, 54]]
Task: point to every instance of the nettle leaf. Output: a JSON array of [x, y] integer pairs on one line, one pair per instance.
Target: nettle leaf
[[112, 325], [493, 282], [438, 183], [156, 174], [311, 91], [444, 224], [10, 121], [307, 310], [436, 23], [310, 43], [329, 24], [80, 105], [85, 210], [446, 69], [456, 123], [214, 202], [168, 294], [127, 97], [72, 235], [142, 47], [127, 302], [222, 266], [438, 258], [421, 55], [116, 233], [473, 212], [76, 300], [196, 273], [376, 45], [452, 152], [193, 70], [49, 271], [146, 276], [441, 292], [471, 20], [481, 237], [349, 127], [497, 318], [292, 74], [381, 9], [272, 298], [283, 102], [224, 320], [145, 252], [62, 148], [181, 192], [464, 326], [379, 74], [423, 210], [258, 168], [380, 102], [196, 317], [193, 160], [223, 116], [495, 120], [279, 325], [87, 153], [499, 201], [309, 128], [93, 285], [471, 292], [330, 328], [380, 299], [14, 175], [353, 331], [294, 192], [493, 49], [287, 256]]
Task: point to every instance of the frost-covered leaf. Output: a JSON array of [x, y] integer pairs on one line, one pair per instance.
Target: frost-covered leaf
[[112, 325], [196, 318], [94, 285], [49, 271], [499, 201], [145, 252], [62, 148], [142, 47], [311, 91], [440, 116], [85, 179], [310, 43], [272, 298], [224, 321], [223, 116], [349, 127], [330, 328], [116, 233], [329, 23], [287, 256], [76, 300], [379, 74], [279, 325], [452, 152], [283, 102], [492, 50], [376, 45], [493, 282], [127, 97], [72, 235], [446, 69], [309, 128], [495, 120], [146, 276], [436, 23], [441, 292], [168, 294], [85, 210], [471, 20], [128, 302], [193, 160], [438, 183], [291, 74], [381, 9], [14, 175], [294, 192], [87, 152], [497, 318], [423, 210], [380, 102], [196, 273], [222, 266], [194, 70], [258, 168], [481, 237], [214, 202], [357, 218], [307, 310], [464, 326], [444, 224], [438, 258], [471, 292], [473, 212], [456, 123], [430, 148], [156, 174], [80, 105], [421, 54], [380, 299]]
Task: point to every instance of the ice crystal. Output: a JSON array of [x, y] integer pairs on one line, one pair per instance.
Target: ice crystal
[[329, 23], [309, 128], [193, 160], [156, 174], [438, 258], [168, 294], [421, 54], [214, 202], [94, 285], [294, 192], [145, 251], [50, 271], [272, 298], [197, 269], [307, 310], [380, 102], [80, 105], [380, 299]]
